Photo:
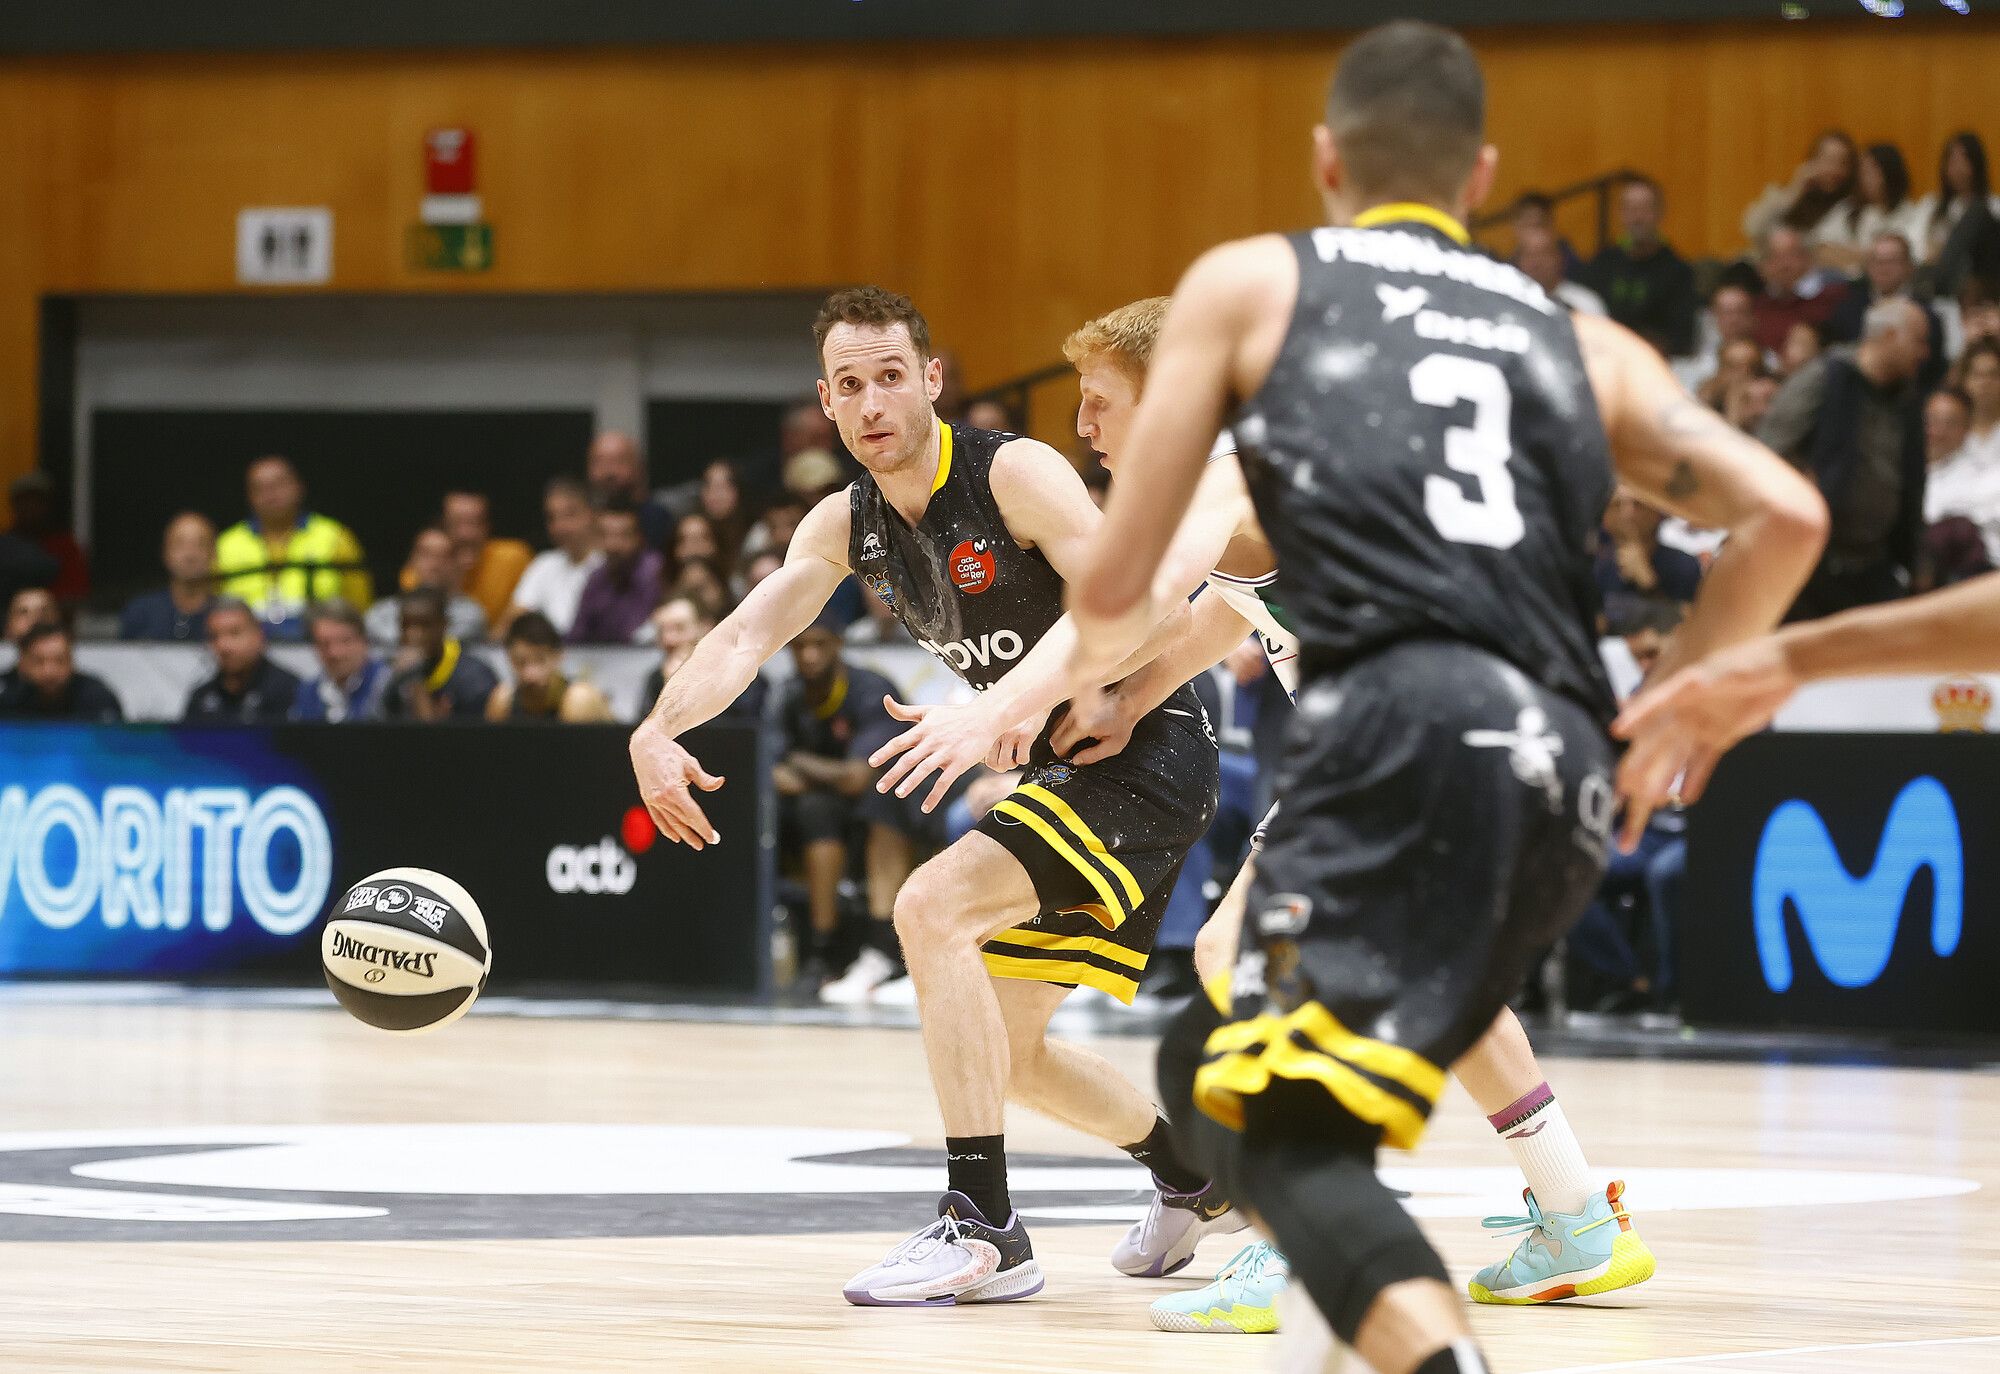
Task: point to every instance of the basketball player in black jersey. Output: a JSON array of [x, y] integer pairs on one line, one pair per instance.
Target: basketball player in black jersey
[[1428, 442], [966, 534]]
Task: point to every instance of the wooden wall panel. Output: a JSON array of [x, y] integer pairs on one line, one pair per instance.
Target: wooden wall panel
[[1013, 188]]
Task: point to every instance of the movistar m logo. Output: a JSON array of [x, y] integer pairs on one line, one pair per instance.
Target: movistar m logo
[[1849, 922]]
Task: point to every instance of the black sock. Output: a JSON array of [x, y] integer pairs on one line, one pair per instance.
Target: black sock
[[1461, 1357], [1157, 1153], [977, 1167]]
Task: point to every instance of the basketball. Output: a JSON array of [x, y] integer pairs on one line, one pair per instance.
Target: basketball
[[405, 950]]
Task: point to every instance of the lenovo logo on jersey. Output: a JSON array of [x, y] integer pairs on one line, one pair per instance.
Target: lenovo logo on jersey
[[1500, 337], [995, 646], [592, 868]]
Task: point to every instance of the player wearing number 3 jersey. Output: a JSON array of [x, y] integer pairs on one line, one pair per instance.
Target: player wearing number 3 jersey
[[1428, 442]]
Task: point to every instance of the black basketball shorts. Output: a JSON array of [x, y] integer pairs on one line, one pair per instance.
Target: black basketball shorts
[[1445, 819], [1103, 845]]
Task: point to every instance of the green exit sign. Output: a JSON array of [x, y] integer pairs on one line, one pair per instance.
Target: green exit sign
[[451, 247]]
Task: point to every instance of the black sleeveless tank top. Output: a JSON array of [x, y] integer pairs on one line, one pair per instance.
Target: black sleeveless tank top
[[957, 580]]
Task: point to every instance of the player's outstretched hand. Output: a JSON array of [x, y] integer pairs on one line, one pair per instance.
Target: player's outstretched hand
[[667, 775], [1102, 715], [1682, 727], [945, 740]]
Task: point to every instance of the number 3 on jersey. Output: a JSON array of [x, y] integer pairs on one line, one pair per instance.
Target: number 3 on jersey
[[1480, 451]]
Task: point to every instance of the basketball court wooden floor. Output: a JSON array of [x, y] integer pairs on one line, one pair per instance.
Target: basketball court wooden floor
[[206, 1188]]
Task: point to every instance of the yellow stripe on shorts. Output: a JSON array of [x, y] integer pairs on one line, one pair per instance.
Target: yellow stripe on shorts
[[1065, 813], [1062, 971], [1245, 1056], [1034, 822], [1046, 939]]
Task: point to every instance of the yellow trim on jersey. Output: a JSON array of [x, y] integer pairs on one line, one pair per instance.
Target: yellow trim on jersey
[[944, 458], [1048, 939], [1437, 219], [1237, 1068], [1063, 971], [1063, 847], [447, 664], [1067, 815], [1217, 989]]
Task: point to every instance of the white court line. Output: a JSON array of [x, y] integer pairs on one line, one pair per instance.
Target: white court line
[[1673, 1361]]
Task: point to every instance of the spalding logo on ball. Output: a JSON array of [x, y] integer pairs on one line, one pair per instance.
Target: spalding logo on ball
[[405, 950]]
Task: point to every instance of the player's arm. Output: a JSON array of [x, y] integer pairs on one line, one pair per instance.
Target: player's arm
[[1683, 457], [1212, 632], [726, 661], [1199, 367], [1046, 507], [1220, 510], [1735, 693]]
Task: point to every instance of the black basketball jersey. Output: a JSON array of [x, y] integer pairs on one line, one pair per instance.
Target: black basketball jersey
[[957, 581], [1427, 458]]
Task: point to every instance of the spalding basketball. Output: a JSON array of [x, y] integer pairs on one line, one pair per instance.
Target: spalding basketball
[[405, 950]]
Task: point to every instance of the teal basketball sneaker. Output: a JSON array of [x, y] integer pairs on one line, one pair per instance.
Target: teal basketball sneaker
[[1565, 1256], [1242, 1299]]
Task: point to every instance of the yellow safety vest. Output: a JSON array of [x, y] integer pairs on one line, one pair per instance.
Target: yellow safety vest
[[318, 561]]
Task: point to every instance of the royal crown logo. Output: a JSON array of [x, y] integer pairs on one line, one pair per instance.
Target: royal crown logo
[[1962, 705]]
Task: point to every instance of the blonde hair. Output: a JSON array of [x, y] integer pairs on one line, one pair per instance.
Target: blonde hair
[[1127, 333]]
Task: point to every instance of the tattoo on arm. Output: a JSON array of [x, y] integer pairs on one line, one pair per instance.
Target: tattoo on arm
[[1683, 484]]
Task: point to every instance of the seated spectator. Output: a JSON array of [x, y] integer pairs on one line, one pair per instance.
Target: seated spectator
[[488, 568], [678, 625], [431, 567], [1735, 362], [27, 608], [540, 689], [616, 472], [1539, 256], [248, 688], [813, 475], [177, 612], [1956, 217], [622, 590], [553, 583], [756, 570], [435, 677], [1792, 294], [1730, 320], [774, 530], [1977, 316], [1966, 480], [1820, 190], [1643, 281], [351, 677], [1534, 213], [1849, 419], [1802, 344], [1633, 565], [45, 684], [1889, 273], [1881, 205], [695, 538], [830, 718], [32, 497], [285, 557], [722, 502], [990, 414], [1749, 401], [699, 581]]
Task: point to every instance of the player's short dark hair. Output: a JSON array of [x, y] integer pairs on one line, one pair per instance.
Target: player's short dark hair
[[535, 630], [1407, 109], [335, 611], [872, 307]]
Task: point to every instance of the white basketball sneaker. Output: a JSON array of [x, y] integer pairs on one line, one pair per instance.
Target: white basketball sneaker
[[871, 968], [897, 992], [1163, 1241], [959, 1258]]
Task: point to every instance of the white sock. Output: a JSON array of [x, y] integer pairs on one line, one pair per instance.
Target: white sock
[[1546, 1151]]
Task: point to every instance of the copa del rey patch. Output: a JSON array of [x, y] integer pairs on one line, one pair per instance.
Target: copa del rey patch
[[972, 566]]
